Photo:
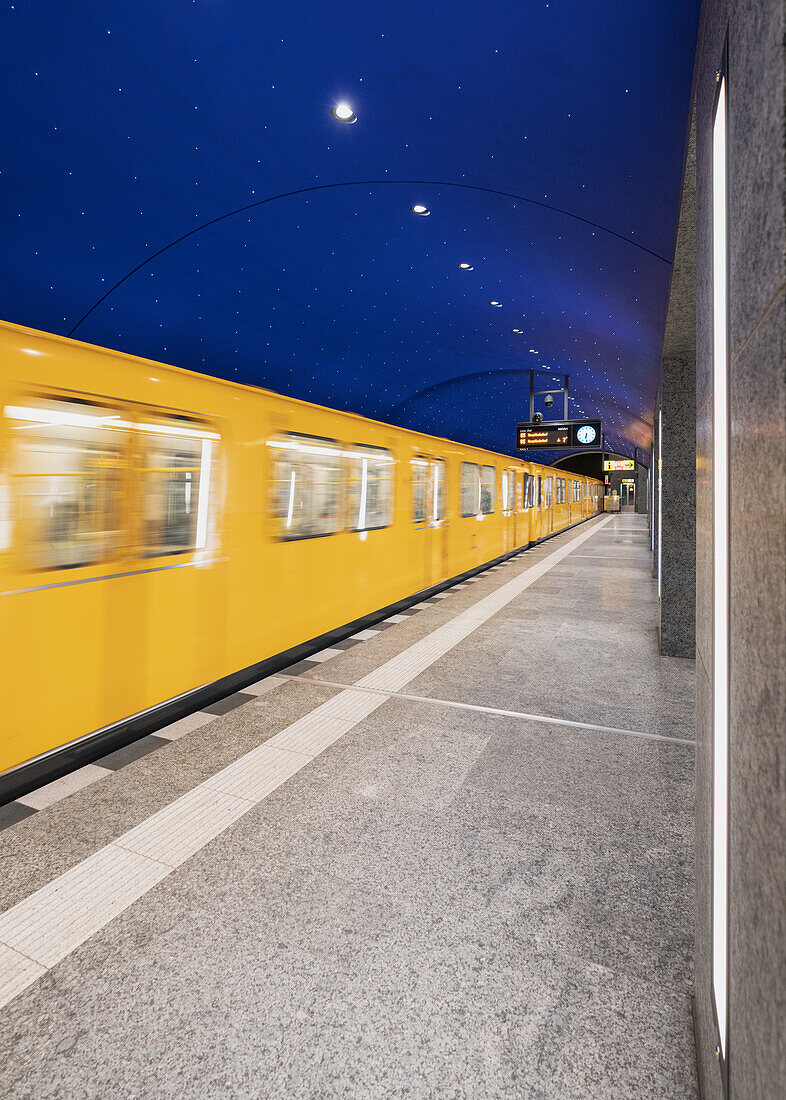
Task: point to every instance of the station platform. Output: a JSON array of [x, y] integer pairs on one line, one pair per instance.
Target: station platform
[[449, 857]]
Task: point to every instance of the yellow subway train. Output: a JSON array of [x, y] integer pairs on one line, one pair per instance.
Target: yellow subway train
[[166, 538]]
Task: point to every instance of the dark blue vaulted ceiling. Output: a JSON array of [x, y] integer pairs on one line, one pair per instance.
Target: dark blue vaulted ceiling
[[545, 137]]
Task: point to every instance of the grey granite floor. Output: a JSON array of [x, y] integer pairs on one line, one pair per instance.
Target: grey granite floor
[[446, 903]]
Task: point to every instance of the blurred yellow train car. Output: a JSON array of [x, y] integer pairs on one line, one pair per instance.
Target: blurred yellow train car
[[166, 538]]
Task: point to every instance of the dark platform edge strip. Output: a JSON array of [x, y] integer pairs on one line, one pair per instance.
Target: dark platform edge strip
[[61, 761]]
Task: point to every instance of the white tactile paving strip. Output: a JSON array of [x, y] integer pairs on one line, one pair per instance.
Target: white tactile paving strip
[[42, 929]]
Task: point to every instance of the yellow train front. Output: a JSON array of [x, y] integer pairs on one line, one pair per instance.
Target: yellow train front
[[166, 538]]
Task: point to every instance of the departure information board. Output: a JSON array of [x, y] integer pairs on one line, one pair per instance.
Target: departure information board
[[556, 435], [543, 436]]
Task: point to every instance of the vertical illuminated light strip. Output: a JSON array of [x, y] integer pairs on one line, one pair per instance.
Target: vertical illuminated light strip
[[291, 505], [720, 646], [204, 493], [436, 493], [363, 483]]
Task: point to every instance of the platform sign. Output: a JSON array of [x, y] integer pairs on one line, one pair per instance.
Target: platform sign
[[613, 464], [552, 435]]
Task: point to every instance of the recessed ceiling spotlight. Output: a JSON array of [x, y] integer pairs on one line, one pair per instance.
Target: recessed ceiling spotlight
[[532, 351], [420, 209], [466, 267], [499, 304], [342, 112], [519, 330]]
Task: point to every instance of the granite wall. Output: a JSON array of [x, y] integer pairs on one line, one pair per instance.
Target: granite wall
[[757, 621]]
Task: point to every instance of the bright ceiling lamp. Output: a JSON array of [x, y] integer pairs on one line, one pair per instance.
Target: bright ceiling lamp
[[421, 210], [518, 330], [466, 267], [497, 304], [342, 112]]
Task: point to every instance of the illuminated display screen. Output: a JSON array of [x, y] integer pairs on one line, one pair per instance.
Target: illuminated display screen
[[612, 464], [552, 435], [543, 437]]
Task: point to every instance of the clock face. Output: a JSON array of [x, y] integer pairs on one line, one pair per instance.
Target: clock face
[[586, 434]]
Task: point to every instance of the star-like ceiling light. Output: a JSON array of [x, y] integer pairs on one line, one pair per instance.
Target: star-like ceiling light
[[342, 112], [421, 210], [466, 267], [498, 304], [518, 330]]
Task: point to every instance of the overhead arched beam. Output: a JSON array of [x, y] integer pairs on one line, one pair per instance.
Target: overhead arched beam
[[491, 372], [359, 183]]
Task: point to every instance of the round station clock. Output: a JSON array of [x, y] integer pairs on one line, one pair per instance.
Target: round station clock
[[586, 433]]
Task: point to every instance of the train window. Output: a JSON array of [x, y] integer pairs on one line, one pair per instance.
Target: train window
[[575, 491], [529, 491], [547, 496], [420, 480], [307, 478], [540, 491], [470, 489], [438, 477], [487, 487], [68, 460], [370, 489], [177, 475], [508, 491]]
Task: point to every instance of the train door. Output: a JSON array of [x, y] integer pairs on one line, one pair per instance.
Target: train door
[[438, 473], [69, 481], [509, 517], [530, 532], [430, 519], [516, 505], [539, 507], [521, 522], [177, 505]]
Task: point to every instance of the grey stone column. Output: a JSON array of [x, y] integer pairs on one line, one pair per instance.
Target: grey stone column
[[678, 433], [642, 501]]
